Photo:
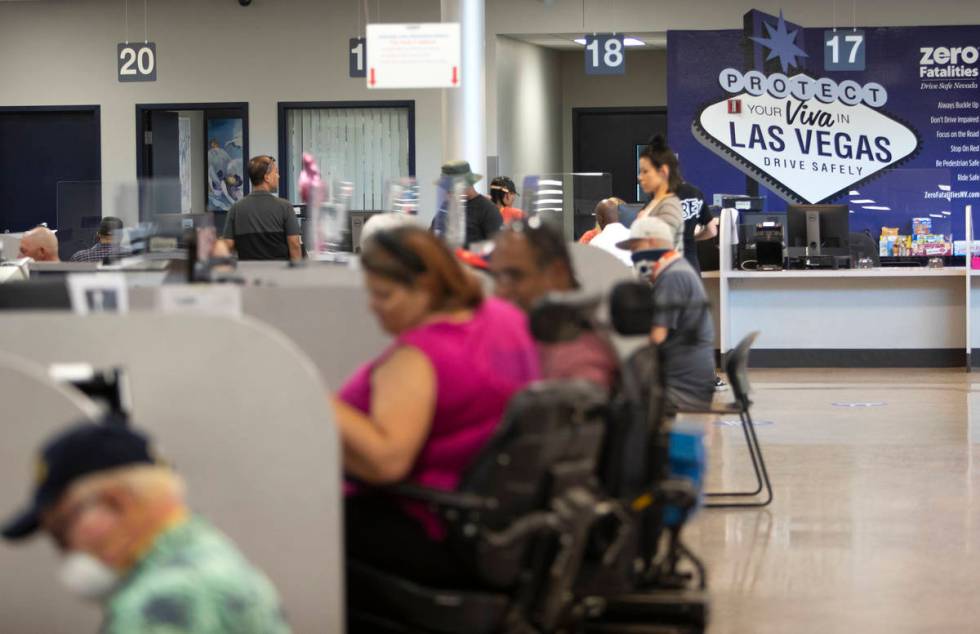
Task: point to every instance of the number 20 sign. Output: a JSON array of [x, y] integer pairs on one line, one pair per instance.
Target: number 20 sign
[[605, 54], [136, 62]]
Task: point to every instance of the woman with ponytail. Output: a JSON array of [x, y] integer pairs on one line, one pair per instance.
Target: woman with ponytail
[[659, 176]]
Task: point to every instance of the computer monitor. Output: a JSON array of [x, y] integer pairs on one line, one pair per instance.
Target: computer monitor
[[818, 230], [35, 295]]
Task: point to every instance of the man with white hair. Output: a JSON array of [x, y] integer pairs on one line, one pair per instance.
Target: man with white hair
[[385, 222], [129, 542], [39, 244], [682, 327]]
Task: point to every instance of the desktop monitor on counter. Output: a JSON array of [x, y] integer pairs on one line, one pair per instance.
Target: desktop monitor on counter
[[818, 230]]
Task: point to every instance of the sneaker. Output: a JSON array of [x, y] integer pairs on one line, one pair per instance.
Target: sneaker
[[720, 386]]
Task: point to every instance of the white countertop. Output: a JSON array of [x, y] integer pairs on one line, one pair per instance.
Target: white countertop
[[886, 272]]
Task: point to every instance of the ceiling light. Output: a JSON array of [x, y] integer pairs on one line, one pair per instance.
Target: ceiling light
[[855, 192], [878, 208], [863, 201], [629, 41]]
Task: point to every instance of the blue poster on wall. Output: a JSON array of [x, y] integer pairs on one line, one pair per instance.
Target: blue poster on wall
[[226, 173], [895, 141]]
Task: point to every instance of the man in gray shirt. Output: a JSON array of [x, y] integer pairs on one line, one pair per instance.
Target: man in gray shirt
[[682, 326], [263, 226]]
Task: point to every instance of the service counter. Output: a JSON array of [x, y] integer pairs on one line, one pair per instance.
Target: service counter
[[880, 317]]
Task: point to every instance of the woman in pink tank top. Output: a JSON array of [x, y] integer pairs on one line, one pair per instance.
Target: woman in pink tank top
[[424, 409]]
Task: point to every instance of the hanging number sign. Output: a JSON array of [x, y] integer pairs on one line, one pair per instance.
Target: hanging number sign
[[358, 57], [605, 54], [844, 50], [136, 61]]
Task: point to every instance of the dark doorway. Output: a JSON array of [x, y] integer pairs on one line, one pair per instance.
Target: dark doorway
[[183, 152], [606, 140], [47, 154]]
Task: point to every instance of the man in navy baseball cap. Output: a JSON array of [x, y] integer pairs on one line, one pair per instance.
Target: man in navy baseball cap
[[79, 451], [129, 541]]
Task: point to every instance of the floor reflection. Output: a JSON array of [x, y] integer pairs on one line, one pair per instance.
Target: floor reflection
[[873, 526]]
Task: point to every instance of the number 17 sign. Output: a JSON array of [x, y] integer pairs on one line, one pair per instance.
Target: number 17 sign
[[605, 54]]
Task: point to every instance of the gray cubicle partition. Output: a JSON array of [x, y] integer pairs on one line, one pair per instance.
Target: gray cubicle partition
[[34, 407], [308, 274], [597, 270], [331, 324], [243, 416]]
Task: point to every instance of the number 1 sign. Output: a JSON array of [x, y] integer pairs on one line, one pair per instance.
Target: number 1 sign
[[605, 54], [357, 50], [136, 62]]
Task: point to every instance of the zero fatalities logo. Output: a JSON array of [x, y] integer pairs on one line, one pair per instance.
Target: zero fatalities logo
[[941, 62]]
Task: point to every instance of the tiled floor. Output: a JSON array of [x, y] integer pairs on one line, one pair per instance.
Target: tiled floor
[[875, 525]]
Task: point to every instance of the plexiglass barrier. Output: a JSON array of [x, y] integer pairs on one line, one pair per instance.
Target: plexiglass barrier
[[567, 200]]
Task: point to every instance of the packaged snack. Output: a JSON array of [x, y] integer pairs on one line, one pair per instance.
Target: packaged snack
[[921, 226], [889, 231]]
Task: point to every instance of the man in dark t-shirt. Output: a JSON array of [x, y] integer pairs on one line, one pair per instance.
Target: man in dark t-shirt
[[263, 226], [483, 219], [696, 214]]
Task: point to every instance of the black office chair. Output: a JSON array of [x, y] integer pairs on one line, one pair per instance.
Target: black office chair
[[631, 574], [632, 312], [520, 518], [736, 367]]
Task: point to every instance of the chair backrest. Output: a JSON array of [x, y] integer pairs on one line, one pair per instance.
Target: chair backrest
[[548, 441], [559, 317], [737, 369], [634, 448]]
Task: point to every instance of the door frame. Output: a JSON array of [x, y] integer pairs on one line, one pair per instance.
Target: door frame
[[285, 106], [142, 109]]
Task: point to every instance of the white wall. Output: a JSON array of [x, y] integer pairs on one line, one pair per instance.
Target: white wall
[[644, 84], [59, 53], [516, 17], [63, 52], [565, 16], [199, 192], [528, 109]]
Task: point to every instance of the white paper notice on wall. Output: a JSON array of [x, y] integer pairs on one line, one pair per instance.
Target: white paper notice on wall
[[214, 299], [414, 55]]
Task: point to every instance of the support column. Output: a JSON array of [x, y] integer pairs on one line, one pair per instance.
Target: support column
[[464, 109]]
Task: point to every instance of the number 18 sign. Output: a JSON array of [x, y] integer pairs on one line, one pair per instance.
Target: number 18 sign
[[136, 62], [605, 54]]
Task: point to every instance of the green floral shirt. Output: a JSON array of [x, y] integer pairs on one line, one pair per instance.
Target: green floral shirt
[[194, 581]]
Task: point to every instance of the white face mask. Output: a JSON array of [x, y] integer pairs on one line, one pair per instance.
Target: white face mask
[[87, 577]]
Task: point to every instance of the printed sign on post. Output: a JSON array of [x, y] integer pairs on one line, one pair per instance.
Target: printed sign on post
[[357, 51], [843, 50], [605, 54], [414, 55], [136, 62]]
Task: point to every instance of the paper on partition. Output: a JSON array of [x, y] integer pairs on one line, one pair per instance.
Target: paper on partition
[[98, 293]]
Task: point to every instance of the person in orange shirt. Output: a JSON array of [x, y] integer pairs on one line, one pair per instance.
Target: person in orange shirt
[[586, 237], [503, 192]]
